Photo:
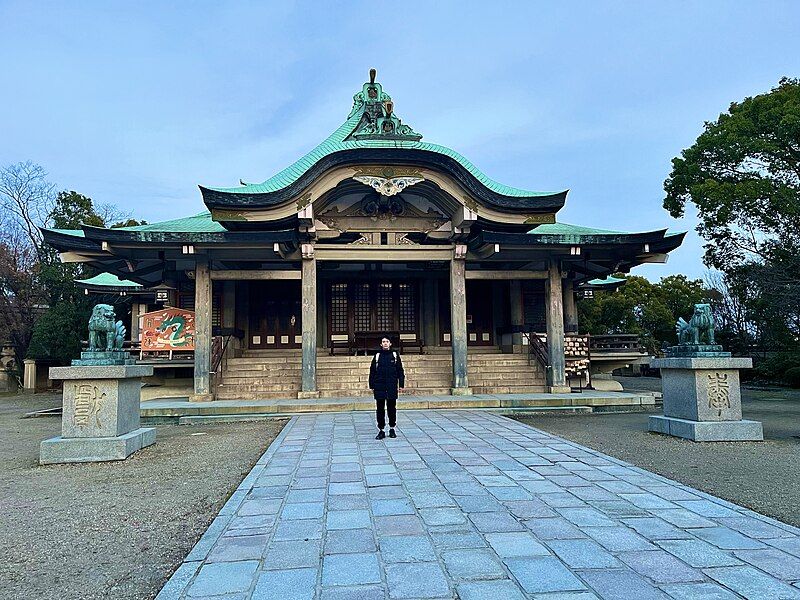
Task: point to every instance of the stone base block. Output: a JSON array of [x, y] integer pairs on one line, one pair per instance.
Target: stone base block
[[101, 449], [307, 395], [708, 431], [462, 391], [201, 397], [558, 389]]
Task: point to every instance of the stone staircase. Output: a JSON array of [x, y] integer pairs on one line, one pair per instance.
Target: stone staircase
[[272, 374]]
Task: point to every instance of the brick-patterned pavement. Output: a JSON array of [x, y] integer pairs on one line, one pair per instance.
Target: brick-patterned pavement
[[471, 505]]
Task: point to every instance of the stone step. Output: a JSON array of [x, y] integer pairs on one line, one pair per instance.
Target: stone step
[[261, 387], [514, 389]]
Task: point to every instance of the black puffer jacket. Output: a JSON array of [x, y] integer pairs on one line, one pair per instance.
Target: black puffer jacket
[[386, 373]]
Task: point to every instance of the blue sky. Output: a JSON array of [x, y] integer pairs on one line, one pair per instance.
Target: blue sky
[[137, 103]]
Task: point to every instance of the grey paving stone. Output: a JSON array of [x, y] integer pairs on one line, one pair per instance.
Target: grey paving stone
[[775, 562], [473, 564], [585, 517], [654, 528], [298, 530], [417, 580], [349, 540], [292, 584], [304, 510], [446, 540], [495, 522], [754, 528], [369, 592], [223, 578], [346, 476], [660, 566], [583, 554], [541, 487], [485, 503], [617, 509], [292, 554], [562, 499], [618, 539], [699, 554], [432, 499], [229, 549], [348, 502], [396, 506], [566, 596], [752, 584], [407, 548], [339, 489], [684, 518], [350, 569], [387, 493], [399, 525], [706, 508], [542, 574], [510, 493], [443, 516], [251, 522], [307, 483], [698, 591], [728, 539], [273, 491], [515, 544], [504, 589], [615, 584], [260, 506], [309, 495], [554, 529], [348, 519], [790, 545]]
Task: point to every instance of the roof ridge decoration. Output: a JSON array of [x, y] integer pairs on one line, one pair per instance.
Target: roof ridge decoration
[[378, 120]]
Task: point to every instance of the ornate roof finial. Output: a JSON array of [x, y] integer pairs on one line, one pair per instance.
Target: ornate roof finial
[[377, 118]]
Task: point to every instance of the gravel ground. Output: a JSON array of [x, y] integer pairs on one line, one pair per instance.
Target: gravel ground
[[762, 476], [111, 530]]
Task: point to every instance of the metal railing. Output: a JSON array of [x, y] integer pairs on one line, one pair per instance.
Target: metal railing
[[620, 342]]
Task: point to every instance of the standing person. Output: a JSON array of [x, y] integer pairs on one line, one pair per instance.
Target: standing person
[[385, 376]]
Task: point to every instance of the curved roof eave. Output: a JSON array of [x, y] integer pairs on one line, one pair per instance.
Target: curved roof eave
[[497, 196]]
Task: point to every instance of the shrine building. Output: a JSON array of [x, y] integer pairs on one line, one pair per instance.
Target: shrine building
[[293, 280]]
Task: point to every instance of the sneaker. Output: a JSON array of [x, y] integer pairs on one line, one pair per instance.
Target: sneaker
[[381, 435], [392, 434]]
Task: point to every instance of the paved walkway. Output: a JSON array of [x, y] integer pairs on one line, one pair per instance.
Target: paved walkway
[[471, 505]]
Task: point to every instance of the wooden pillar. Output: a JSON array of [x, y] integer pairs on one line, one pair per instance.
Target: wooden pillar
[[458, 321], [202, 336], [429, 314], [517, 311], [229, 304], [309, 317], [570, 308], [135, 310], [556, 380]]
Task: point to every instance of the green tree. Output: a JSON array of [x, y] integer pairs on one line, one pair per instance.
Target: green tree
[[743, 176], [647, 309]]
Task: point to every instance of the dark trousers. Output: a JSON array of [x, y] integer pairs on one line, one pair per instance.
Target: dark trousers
[[391, 407]]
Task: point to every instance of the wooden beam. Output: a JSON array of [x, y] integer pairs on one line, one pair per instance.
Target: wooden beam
[[506, 275], [392, 253], [254, 275]]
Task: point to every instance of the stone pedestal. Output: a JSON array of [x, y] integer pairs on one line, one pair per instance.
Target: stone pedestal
[[100, 419], [702, 399]]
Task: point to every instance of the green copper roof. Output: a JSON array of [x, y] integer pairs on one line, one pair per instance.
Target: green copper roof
[[199, 223], [371, 124], [108, 280], [607, 281], [567, 229]]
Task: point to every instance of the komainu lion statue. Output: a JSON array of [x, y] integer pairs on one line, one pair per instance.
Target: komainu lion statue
[[103, 327], [700, 326]]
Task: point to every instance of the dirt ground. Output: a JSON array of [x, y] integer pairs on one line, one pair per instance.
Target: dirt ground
[[762, 476], [111, 530]]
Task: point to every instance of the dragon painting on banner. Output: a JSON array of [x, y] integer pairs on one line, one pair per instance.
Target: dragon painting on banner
[[168, 329]]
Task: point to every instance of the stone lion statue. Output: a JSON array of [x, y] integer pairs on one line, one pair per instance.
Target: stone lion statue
[[102, 326], [700, 326]]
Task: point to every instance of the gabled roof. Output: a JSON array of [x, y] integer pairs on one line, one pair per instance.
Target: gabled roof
[[372, 126]]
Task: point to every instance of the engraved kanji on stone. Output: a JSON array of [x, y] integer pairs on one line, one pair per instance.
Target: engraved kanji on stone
[[719, 392], [88, 401]]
